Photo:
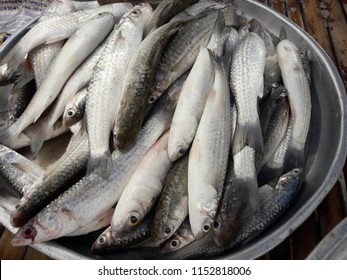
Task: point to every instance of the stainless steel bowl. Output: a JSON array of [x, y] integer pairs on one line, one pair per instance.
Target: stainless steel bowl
[[326, 152]]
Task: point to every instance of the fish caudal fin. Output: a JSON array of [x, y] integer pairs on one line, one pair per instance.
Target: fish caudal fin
[[248, 135]]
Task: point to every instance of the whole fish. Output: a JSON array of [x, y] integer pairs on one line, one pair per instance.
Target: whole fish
[[74, 110], [274, 167], [164, 12], [85, 40], [104, 90], [246, 81], [144, 187], [79, 79], [112, 242], [172, 207], [68, 169], [296, 83], [99, 190], [54, 29], [191, 105], [181, 238], [137, 85], [208, 156], [274, 202], [18, 171], [276, 129], [42, 56], [182, 51]]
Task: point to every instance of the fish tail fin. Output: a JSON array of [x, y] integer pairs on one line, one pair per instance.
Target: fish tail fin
[[95, 161], [295, 158], [248, 135], [37, 133]]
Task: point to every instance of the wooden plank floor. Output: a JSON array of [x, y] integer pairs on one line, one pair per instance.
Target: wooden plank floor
[[326, 21]]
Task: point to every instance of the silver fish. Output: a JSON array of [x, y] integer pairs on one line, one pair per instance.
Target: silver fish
[[99, 190], [104, 90], [209, 152], [54, 29], [274, 202], [85, 40], [296, 83], [42, 56], [137, 84], [182, 51], [68, 169], [191, 105], [164, 12], [144, 187], [246, 81], [172, 207]]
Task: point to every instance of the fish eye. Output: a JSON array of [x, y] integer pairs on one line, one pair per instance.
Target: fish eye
[[181, 151], [70, 112], [134, 218], [135, 12], [152, 99], [206, 227], [101, 239], [100, 14], [296, 171], [167, 229], [28, 232], [17, 207], [174, 243], [216, 225]]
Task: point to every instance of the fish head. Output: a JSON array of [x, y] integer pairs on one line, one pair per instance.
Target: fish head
[[70, 115], [137, 17], [173, 244], [163, 232], [45, 226], [128, 217], [104, 242], [291, 181]]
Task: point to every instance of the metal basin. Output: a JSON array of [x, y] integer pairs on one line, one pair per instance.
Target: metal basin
[[326, 153]]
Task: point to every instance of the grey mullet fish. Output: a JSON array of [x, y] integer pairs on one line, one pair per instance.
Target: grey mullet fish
[[164, 12], [85, 40], [99, 190], [42, 56], [54, 29], [137, 84], [104, 90], [274, 202], [296, 83], [68, 169]]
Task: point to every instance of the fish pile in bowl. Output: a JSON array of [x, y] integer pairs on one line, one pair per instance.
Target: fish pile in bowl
[[188, 122]]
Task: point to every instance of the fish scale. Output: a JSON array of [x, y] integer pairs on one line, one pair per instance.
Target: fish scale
[[246, 81], [104, 90], [181, 51], [99, 190]]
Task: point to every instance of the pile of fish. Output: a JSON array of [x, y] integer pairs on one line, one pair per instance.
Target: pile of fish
[[188, 126]]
